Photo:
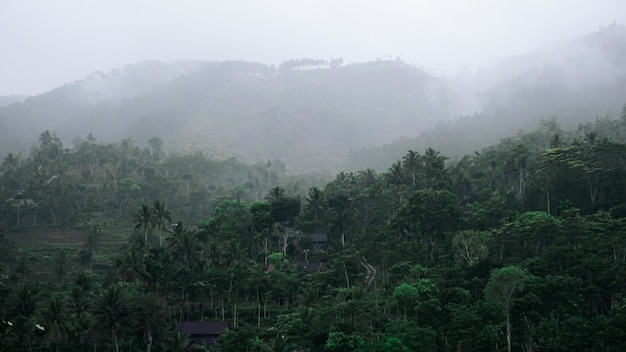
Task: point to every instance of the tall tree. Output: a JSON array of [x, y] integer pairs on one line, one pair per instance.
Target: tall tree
[[431, 215], [411, 163], [144, 219], [502, 285], [60, 264], [112, 311], [161, 216]]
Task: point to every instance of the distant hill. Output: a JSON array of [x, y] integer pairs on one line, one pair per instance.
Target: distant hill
[[309, 118], [325, 116], [10, 99], [571, 82]]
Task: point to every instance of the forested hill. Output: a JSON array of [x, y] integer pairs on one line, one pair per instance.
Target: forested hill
[[519, 247], [312, 114], [569, 83], [308, 116]]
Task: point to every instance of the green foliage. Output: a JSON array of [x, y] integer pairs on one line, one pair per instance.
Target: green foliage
[[341, 342], [430, 255], [472, 246]]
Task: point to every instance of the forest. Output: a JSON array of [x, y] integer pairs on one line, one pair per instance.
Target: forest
[[520, 246]]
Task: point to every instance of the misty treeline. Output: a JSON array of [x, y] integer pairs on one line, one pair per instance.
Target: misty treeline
[[312, 114], [520, 246]]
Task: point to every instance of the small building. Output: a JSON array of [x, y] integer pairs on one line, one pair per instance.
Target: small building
[[318, 241], [204, 333], [311, 267]]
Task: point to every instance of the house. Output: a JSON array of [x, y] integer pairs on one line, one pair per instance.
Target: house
[[307, 266], [318, 242], [203, 333], [311, 267]]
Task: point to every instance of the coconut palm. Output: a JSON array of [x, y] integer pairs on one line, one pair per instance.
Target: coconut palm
[[59, 265], [80, 319], [411, 163], [144, 219], [185, 245], [160, 216], [56, 317], [112, 311], [132, 264], [315, 206]]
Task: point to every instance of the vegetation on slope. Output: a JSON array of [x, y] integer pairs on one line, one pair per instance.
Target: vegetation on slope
[[519, 246]]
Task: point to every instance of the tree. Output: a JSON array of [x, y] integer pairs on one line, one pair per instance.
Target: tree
[[185, 245], [23, 268], [406, 296], [94, 232], [434, 169], [529, 234], [59, 264], [80, 320], [315, 207], [284, 210], [22, 309], [472, 246], [502, 285], [262, 223], [132, 263], [341, 342], [144, 219], [56, 318], [112, 311], [160, 216], [431, 214], [411, 163]]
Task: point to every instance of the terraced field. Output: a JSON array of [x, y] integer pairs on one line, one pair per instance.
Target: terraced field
[[38, 246]]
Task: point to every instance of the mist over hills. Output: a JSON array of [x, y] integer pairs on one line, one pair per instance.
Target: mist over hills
[[322, 116], [570, 83], [6, 100]]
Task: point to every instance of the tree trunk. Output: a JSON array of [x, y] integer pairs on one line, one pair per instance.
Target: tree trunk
[[149, 345], [508, 331], [117, 347]]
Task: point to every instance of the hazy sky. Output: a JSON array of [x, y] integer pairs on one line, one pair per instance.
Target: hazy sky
[[47, 43]]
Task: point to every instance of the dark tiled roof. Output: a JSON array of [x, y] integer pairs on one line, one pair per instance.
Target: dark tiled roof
[[201, 327], [308, 266], [316, 237]]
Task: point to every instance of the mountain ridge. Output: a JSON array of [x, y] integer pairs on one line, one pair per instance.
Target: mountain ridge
[[313, 114]]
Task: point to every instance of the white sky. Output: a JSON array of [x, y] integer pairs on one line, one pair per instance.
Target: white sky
[[46, 43]]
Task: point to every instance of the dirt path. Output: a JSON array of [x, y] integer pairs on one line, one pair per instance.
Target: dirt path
[[371, 273]]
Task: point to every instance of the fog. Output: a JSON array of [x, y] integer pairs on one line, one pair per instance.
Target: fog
[[48, 43]]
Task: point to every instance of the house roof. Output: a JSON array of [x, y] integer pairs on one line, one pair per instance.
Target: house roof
[[316, 237], [308, 266], [201, 327]]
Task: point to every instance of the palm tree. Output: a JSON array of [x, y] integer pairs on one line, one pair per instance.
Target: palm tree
[[148, 318], [411, 163], [22, 268], [21, 310], [144, 219], [79, 304], [59, 264], [112, 311], [394, 177], [315, 206], [132, 264], [55, 316], [161, 215], [185, 244]]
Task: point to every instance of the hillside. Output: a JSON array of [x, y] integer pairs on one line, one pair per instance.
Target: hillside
[[240, 109], [567, 84], [325, 117]]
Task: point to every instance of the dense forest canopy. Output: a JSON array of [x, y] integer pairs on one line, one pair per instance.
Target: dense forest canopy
[[518, 246]]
